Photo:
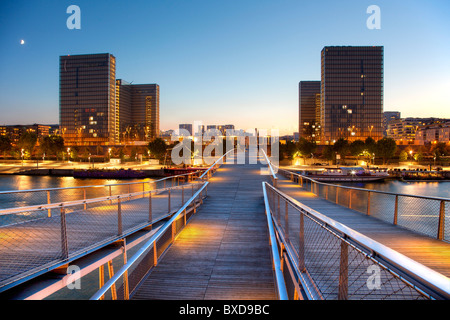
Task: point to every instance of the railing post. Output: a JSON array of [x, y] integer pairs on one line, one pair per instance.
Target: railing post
[[326, 192], [150, 212], [301, 247], [49, 202], [126, 288], [155, 254], [441, 222], [350, 198], [278, 208], [396, 210], [111, 274], [182, 195], [84, 197], [368, 203], [119, 217], [286, 220], [337, 195], [168, 200], [343, 272], [64, 243], [101, 278]]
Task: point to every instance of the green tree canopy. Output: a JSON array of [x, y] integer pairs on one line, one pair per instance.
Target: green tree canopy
[[27, 141], [52, 145], [157, 148], [371, 145], [306, 147], [357, 148], [5, 144], [342, 147], [385, 148]]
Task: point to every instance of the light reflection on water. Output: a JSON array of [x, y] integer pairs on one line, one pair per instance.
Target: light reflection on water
[[17, 182]]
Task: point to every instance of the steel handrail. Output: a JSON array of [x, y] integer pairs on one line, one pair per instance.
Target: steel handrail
[[269, 163], [212, 166], [365, 190], [432, 279], [145, 247], [64, 204], [281, 286]]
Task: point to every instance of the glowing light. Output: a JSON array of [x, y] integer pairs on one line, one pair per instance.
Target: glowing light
[[22, 42]]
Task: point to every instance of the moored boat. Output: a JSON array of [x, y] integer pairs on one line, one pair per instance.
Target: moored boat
[[349, 174]]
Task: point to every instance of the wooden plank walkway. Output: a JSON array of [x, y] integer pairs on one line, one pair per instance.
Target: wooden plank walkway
[[31, 246], [223, 252], [430, 252]]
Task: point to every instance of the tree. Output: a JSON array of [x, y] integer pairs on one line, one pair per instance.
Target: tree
[[403, 156], [385, 148], [157, 148], [438, 150], [5, 144], [357, 148], [342, 147], [370, 145], [287, 150], [52, 145], [27, 142], [306, 147], [328, 153]]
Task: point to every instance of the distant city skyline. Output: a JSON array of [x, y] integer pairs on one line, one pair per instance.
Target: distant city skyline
[[222, 62]]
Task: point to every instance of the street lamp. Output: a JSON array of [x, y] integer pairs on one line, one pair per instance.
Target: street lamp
[[68, 154], [21, 151]]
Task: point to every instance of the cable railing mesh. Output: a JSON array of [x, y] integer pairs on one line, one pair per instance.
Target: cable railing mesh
[[331, 265], [425, 215], [36, 239]]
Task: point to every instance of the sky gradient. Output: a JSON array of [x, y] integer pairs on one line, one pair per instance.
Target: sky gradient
[[222, 62]]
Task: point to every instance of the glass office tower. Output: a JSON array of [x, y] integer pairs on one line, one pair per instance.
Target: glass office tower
[[87, 99], [351, 103], [309, 110], [137, 111]]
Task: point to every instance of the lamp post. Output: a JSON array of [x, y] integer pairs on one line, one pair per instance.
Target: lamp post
[[21, 151]]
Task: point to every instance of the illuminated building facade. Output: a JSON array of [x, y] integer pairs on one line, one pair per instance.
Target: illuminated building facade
[[309, 110], [351, 93], [87, 99], [137, 111]]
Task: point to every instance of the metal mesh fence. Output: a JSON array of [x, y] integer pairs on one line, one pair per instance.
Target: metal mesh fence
[[330, 263], [425, 215], [25, 198], [37, 238]]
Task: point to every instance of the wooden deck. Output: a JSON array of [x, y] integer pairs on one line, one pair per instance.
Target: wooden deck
[[430, 252], [223, 252]]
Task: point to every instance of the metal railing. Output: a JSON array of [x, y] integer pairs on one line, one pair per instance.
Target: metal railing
[[324, 259], [40, 237], [271, 169], [425, 215], [76, 228], [133, 271], [137, 267], [20, 198], [275, 252]]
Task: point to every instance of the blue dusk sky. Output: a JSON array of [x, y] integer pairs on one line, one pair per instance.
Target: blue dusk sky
[[222, 61]]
